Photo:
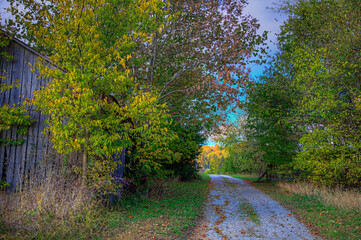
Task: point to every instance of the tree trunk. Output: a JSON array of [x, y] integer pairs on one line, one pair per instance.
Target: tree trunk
[[85, 158]]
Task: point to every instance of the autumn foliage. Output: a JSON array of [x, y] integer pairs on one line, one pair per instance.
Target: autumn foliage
[[212, 159]]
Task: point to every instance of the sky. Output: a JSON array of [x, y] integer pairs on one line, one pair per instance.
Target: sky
[[269, 21], [3, 4]]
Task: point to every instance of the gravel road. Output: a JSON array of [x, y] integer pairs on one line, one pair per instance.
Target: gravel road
[[237, 210]]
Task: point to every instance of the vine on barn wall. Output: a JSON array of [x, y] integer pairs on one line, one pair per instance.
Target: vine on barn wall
[[15, 115]]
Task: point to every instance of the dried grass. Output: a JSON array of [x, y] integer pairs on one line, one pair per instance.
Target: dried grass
[[343, 199], [50, 202]]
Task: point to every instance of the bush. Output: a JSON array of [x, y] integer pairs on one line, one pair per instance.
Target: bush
[[326, 163], [188, 146]]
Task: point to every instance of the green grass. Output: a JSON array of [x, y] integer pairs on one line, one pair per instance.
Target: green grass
[[325, 220], [243, 177], [322, 219], [169, 215], [246, 208], [204, 177]]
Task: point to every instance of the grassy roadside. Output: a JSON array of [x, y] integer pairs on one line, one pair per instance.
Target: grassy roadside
[[167, 213], [248, 178], [166, 216], [325, 220]]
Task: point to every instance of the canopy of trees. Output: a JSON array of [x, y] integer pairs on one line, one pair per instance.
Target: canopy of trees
[[153, 77]]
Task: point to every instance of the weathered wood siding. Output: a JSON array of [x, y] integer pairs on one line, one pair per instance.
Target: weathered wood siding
[[15, 161]]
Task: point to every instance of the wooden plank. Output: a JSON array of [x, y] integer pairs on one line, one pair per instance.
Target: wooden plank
[[2, 60], [6, 71], [35, 115], [35, 85], [26, 91], [10, 162], [25, 94], [42, 139], [13, 172], [2, 65], [15, 161]]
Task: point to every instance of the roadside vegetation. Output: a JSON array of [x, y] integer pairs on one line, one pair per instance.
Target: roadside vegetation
[[139, 86], [323, 212], [300, 124], [328, 212], [247, 177], [168, 209]]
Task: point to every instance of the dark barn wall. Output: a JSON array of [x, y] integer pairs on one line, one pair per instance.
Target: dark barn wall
[[15, 160]]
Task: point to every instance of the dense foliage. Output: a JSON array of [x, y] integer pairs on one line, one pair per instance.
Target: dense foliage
[[150, 76], [304, 112]]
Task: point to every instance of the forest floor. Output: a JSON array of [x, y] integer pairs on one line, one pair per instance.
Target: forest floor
[[238, 210]]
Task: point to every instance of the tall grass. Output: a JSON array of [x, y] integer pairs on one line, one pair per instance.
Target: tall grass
[[343, 199], [54, 205]]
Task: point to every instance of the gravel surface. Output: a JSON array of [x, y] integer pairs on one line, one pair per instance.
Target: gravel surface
[[237, 210]]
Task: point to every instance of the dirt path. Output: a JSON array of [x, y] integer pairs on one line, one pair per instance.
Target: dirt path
[[237, 210]]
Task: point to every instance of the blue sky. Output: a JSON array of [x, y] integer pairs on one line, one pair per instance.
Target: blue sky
[[269, 21]]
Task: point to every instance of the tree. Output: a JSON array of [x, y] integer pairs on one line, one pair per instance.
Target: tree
[[197, 61], [244, 156], [95, 106], [212, 158], [271, 109], [326, 65], [304, 110], [187, 146], [190, 55]]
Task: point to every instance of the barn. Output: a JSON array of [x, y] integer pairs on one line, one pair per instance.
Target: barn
[[21, 151]]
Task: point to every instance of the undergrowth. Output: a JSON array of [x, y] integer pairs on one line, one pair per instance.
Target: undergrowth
[[53, 207], [169, 214], [57, 208], [342, 199]]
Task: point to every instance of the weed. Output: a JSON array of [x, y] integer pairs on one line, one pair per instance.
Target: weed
[[167, 216], [246, 208], [51, 207], [55, 209], [342, 199], [204, 177]]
